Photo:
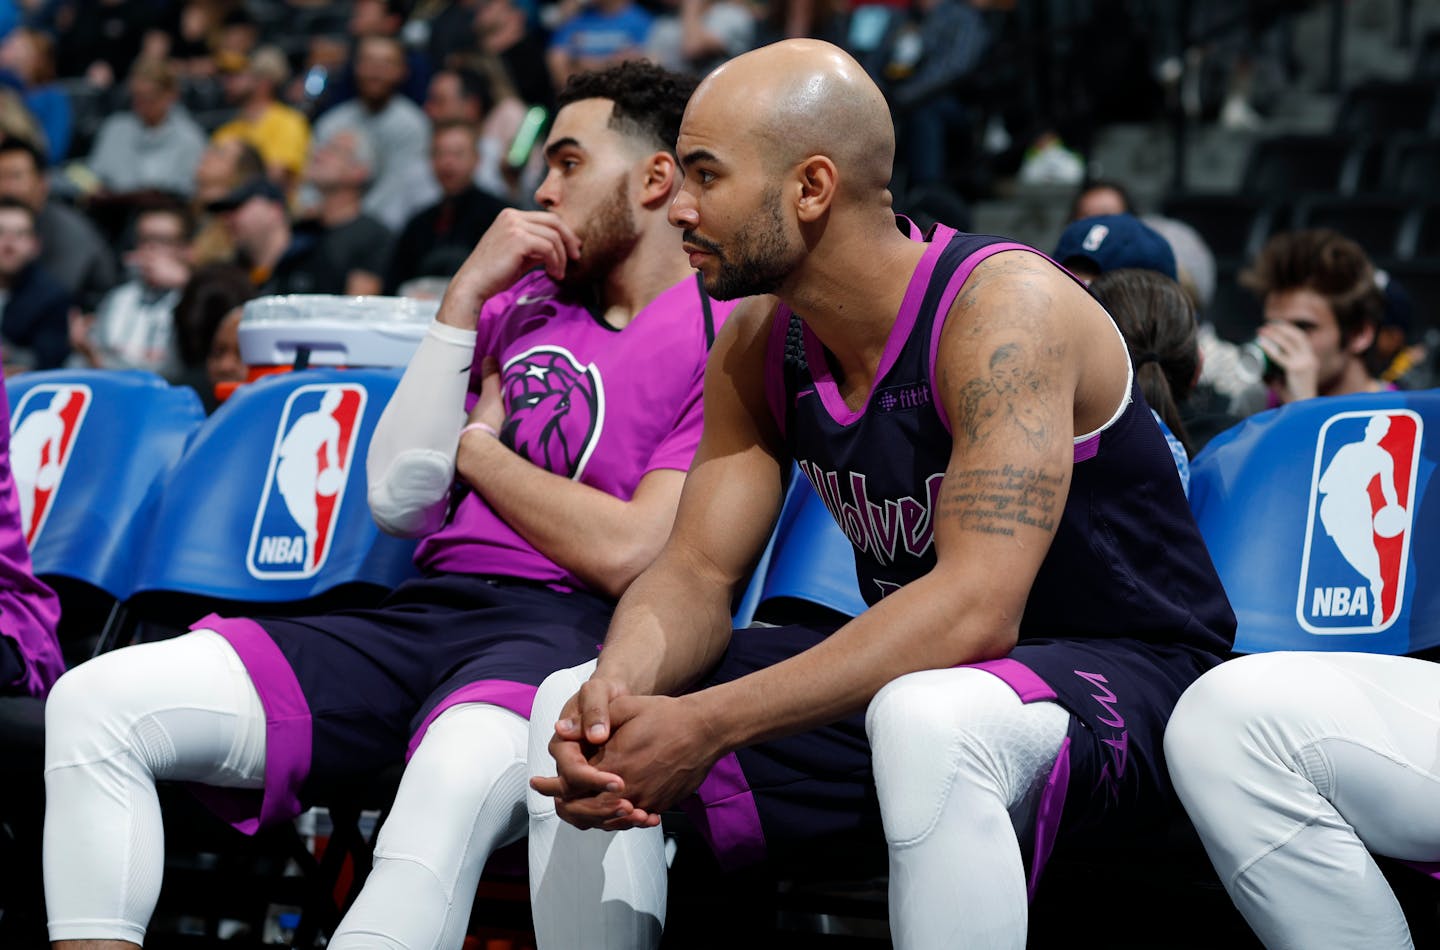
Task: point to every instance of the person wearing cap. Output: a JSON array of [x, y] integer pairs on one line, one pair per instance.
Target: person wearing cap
[[281, 133], [254, 213], [1091, 246]]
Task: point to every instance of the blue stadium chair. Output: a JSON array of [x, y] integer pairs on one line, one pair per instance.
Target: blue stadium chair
[[229, 526], [1273, 494], [90, 492]]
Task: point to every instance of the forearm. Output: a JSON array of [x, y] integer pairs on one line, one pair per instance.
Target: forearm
[[411, 464], [671, 626], [601, 539], [922, 626]]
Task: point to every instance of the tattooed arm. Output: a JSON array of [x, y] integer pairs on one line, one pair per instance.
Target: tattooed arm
[[1015, 381]]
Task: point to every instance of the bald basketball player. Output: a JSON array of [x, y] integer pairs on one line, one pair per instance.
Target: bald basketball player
[[1039, 594]]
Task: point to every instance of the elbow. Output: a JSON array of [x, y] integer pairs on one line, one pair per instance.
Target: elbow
[[410, 499], [627, 560]]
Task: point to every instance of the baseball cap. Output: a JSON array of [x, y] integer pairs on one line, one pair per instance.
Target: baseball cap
[[1111, 241], [257, 187]]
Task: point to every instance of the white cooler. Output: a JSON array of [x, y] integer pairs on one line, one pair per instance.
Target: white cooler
[[329, 330]]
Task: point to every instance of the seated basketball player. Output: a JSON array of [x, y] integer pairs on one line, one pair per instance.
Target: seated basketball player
[[1040, 595], [584, 334]]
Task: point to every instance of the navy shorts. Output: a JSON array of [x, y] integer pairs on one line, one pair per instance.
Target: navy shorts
[[349, 693], [777, 800]]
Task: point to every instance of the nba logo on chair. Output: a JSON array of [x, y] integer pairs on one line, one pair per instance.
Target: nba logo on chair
[[42, 436], [1357, 536], [306, 481]]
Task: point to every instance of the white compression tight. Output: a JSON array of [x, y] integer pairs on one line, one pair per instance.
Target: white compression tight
[[185, 709], [959, 764], [1294, 767], [181, 709], [462, 796], [592, 889]]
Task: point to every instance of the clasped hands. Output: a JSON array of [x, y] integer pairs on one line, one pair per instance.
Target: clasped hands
[[622, 760]]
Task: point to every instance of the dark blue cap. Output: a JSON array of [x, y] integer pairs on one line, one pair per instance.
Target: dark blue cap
[[1111, 241]]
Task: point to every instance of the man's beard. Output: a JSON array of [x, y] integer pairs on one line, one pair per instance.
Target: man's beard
[[608, 238], [758, 259]]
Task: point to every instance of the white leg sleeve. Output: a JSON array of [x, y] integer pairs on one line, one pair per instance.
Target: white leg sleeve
[[594, 889], [959, 765], [1294, 767], [181, 709], [461, 798]]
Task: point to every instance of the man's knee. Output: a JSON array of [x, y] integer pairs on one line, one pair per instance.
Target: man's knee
[[90, 710], [555, 692], [1231, 711], [927, 728], [469, 753]]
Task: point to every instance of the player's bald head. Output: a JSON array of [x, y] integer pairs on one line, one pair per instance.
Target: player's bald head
[[799, 98]]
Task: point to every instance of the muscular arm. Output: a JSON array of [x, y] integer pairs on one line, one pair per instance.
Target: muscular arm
[[603, 540], [674, 622], [1008, 380]]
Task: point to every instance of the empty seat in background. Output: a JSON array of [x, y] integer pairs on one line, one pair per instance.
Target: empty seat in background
[[1377, 223], [1234, 226], [1287, 166], [1386, 107]]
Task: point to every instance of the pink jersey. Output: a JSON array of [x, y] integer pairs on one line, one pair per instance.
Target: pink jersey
[[583, 400]]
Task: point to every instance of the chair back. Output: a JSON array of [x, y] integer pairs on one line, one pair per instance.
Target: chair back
[[269, 502], [1324, 522], [89, 450]]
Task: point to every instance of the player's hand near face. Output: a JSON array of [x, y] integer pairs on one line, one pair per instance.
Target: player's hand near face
[[517, 242], [1289, 348]]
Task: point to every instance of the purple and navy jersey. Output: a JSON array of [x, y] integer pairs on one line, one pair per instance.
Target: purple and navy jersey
[[585, 401], [1127, 559]]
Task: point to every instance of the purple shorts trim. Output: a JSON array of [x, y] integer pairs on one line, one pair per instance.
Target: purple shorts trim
[[1026, 683], [287, 731], [723, 809], [519, 698], [1431, 868], [1047, 817], [1088, 449]]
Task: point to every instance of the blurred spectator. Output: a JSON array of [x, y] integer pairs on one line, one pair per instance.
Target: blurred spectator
[[378, 18], [600, 33], [156, 145], [17, 122], [1157, 320], [504, 32], [223, 166], [97, 39], [280, 133], [351, 252], [1098, 196], [223, 362], [470, 96], [34, 327], [437, 240], [27, 63], [1322, 306], [920, 61], [701, 35], [394, 124], [1396, 356], [213, 292], [134, 325], [185, 33], [254, 214], [71, 250], [1093, 246]]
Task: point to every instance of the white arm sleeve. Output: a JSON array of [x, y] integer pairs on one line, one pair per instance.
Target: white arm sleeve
[[411, 464]]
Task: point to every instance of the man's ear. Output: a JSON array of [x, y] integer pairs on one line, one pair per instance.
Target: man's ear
[[1362, 340], [660, 177], [817, 180]]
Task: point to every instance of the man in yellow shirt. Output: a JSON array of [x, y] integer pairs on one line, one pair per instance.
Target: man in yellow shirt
[[281, 133]]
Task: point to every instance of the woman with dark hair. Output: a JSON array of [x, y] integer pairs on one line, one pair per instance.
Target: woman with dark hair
[[1158, 322], [213, 292]]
